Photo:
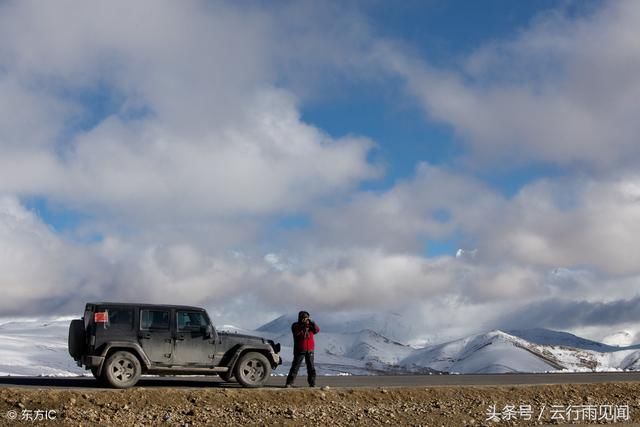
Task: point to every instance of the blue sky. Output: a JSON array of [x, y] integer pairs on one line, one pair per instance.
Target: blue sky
[[444, 32], [428, 157]]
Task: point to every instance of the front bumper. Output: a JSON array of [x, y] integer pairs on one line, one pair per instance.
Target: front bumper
[[277, 360]]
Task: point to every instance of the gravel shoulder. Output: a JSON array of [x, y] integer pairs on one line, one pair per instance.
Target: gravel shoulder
[[432, 406]]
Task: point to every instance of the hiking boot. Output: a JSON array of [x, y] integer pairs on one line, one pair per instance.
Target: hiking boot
[[288, 386]]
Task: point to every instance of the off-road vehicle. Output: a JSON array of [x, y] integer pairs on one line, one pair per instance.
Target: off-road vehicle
[[119, 342]]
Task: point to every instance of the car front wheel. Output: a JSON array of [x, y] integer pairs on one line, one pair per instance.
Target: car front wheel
[[253, 369], [122, 370]]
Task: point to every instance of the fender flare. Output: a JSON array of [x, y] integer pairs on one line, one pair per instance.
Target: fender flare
[[265, 349], [128, 345]]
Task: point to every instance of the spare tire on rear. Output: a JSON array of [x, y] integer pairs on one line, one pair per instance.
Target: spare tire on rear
[[76, 341]]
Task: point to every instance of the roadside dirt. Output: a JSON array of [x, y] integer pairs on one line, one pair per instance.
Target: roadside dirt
[[585, 404]]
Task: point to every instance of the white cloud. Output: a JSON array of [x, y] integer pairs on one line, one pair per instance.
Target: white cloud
[[578, 223], [434, 204], [42, 272], [564, 91], [203, 144], [452, 296], [199, 127], [563, 222], [39, 272], [197, 143], [269, 162], [569, 238]]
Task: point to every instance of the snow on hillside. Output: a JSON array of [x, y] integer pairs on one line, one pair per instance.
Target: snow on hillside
[[548, 337], [36, 347], [357, 353], [39, 347], [494, 352], [533, 350], [542, 351]]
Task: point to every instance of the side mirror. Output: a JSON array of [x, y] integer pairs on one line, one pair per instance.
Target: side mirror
[[207, 331]]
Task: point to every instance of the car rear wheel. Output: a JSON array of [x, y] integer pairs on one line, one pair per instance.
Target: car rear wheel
[[122, 370], [252, 370]]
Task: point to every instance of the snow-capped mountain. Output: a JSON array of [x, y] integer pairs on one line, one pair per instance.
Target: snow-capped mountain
[[536, 350], [364, 352], [493, 352], [557, 338], [39, 347], [531, 350]]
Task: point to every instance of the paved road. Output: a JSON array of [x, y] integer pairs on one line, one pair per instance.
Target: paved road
[[343, 381]]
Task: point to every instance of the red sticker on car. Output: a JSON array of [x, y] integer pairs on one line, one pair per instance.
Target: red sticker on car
[[101, 317]]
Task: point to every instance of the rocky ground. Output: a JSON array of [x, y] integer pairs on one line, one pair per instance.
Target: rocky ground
[[435, 406]]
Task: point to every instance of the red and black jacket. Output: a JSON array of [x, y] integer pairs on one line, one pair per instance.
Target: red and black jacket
[[303, 336]]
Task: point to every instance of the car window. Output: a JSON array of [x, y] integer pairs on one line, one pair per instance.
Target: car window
[[191, 320], [154, 319], [120, 318]]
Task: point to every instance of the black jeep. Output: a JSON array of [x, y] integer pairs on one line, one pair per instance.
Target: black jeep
[[119, 342]]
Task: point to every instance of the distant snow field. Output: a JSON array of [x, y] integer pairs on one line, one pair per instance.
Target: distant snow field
[[38, 347]]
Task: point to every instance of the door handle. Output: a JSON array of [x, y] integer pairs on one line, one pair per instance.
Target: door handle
[[180, 338], [145, 336]]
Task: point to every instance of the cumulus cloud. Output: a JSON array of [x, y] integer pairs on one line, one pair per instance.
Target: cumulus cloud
[[40, 272], [43, 272], [268, 163], [480, 293], [571, 223], [561, 238], [198, 115], [435, 203], [170, 127], [562, 91], [178, 129], [549, 223]]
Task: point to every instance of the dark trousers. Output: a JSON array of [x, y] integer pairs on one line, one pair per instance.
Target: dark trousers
[[295, 365]]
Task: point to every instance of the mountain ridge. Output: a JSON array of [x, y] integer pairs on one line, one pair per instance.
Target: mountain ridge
[[38, 347]]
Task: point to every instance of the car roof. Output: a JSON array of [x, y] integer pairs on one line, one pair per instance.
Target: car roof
[[146, 305]]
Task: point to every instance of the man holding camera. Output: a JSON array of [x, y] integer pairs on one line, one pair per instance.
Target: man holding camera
[[303, 347]]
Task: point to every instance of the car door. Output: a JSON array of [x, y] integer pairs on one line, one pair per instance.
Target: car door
[[193, 345], [155, 335]]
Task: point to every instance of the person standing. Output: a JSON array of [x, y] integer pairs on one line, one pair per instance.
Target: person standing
[[303, 347]]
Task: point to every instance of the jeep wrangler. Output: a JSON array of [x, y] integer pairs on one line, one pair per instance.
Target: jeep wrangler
[[119, 342]]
